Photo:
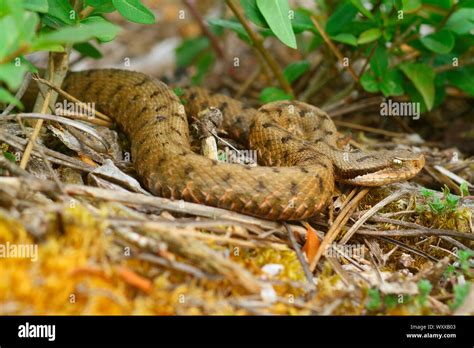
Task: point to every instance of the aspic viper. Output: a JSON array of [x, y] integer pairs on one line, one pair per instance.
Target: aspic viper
[[298, 154]]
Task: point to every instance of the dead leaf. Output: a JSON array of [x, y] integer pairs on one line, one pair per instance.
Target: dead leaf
[[134, 279], [312, 243]]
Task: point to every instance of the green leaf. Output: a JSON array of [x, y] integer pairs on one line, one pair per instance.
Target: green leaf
[[13, 8], [36, 5], [445, 4], [203, 65], [362, 9], [30, 22], [390, 301], [51, 22], [461, 21], [422, 77], [277, 15], [462, 79], [460, 293], [452, 201], [178, 91], [294, 70], [315, 42], [425, 288], [62, 10], [86, 49], [270, 94], [369, 83], [232, 25], [346, 38], [6, 97], [410, 6], [134, 11], [426, 192], [375, 300], [341, 17], [379, 61], [28, 65], [189, 50], [392, 84], [465, 3], [464, 189], [253, 13], [107, 35], [302, 22], [369, 36], [12, 74], [78, 33], [9, 37], [9, 156], [47, 46], [101, 6], [440, 42]]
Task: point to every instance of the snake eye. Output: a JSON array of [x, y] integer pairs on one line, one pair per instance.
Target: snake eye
[[397, 162]]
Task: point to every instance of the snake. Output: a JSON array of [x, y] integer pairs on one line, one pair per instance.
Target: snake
[[299, 156]]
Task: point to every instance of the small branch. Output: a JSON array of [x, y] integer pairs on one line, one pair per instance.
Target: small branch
[[191, 5], [19, 94], [13, 168], [339, 223], [417, 233], [369, 129], [86, 12], [454, 7], [257, 41], [407, 247], [367, 61], [447, 67], [387, 200], [248, 82], [415, 229], [57, 68], [82, 117], [334, 110], [141, 199], [73, 99], [21, 50], [301, 259], [333, 48], [55, 157], [177, 266]]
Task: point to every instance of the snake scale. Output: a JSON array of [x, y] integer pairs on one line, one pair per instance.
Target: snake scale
[[296, 145]]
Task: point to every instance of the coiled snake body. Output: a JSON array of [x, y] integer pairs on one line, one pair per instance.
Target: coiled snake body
[[295, 142]]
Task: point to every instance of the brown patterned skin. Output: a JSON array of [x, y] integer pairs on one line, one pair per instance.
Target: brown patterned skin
[[296, 144]]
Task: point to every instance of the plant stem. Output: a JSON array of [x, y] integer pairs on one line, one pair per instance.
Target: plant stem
[[258, 42], [191, 5], [57, 69], [333, 48], [21, 50]]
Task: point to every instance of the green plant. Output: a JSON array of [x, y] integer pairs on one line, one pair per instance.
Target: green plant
[[375, 300], [414, 48], [460, 293], [425, 287], [28, 26], [447, 203]]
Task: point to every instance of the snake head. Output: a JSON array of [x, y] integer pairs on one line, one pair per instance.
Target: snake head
[[400, 165]]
